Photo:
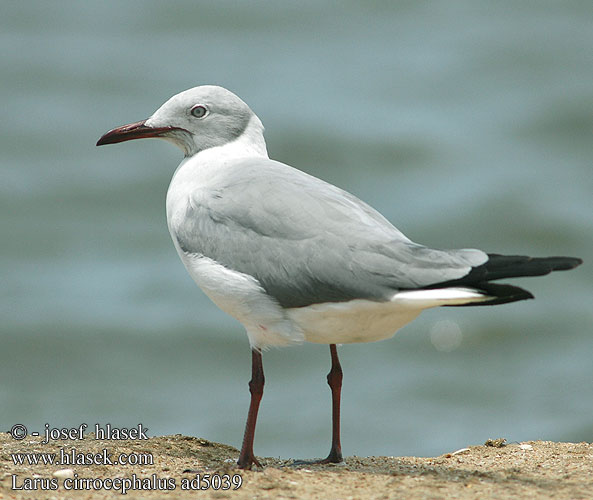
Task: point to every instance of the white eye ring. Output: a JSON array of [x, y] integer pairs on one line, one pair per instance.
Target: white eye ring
[[199, 111]]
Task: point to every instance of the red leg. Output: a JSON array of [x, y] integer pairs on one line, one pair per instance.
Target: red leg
[[334, 379], [256, 388]]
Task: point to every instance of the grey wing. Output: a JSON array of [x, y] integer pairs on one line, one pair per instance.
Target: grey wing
[[307, 241]]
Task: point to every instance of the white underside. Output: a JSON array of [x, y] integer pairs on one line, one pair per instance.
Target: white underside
[[269, 324]]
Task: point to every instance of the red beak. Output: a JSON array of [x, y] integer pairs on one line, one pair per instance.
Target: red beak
[[131, 131]]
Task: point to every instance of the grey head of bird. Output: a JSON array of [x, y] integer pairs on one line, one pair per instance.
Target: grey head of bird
[[194, 120]]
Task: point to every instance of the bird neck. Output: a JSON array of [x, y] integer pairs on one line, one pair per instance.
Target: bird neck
[[250, 143]]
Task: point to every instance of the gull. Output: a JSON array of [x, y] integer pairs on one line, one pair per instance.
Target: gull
[[294, 258]]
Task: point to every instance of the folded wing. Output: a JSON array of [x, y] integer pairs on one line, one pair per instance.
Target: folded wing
[[306, 241]]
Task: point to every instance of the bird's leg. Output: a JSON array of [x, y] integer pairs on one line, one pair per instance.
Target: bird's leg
[[256, 388], [334, 379]]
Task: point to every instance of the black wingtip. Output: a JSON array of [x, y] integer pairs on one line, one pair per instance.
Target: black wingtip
[[566, 263], [508, 266], [500, 294], [517, 266]]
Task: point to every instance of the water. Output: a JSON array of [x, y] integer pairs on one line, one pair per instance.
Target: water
[[467, 124]]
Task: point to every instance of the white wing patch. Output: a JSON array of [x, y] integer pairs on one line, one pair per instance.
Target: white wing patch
[[440, 297]]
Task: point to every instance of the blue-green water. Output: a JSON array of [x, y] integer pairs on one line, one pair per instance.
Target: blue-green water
[[468, 124]]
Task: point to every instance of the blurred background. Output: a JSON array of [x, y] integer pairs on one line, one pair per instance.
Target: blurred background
[[467, 124]]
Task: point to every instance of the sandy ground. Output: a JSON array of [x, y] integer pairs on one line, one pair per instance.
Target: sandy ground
[[537, 469]]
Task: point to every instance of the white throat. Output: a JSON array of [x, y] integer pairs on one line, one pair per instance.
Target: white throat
[[250, 143]]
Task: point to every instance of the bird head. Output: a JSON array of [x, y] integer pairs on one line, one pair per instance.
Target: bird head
[[194, 120]]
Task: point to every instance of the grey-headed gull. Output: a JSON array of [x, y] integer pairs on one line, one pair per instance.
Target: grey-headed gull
[[294, 258]]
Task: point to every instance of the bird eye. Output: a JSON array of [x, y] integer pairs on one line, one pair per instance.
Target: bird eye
[[199, 111]]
